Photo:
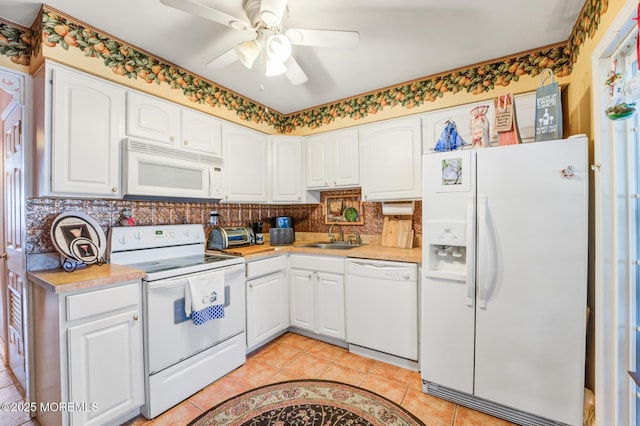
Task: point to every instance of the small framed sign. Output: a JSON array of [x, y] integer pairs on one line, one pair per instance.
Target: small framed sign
[[343, 210]]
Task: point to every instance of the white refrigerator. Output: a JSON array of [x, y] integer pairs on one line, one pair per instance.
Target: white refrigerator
[[503, 318]]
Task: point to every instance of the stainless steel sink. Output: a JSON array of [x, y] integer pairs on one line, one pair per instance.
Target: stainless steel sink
[[337, 245]]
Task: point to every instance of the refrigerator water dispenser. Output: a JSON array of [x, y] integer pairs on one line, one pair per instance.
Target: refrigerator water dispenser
[[447, 253]]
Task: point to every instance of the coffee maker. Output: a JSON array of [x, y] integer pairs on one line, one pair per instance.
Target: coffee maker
[[257, 230], [282, 231]]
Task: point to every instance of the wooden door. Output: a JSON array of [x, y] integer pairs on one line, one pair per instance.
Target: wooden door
[[13, 282]]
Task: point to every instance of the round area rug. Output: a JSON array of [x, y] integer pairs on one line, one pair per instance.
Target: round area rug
[[308, 403]]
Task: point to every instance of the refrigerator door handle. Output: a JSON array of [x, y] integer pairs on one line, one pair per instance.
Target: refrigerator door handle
[[471, 252], [483, 244]]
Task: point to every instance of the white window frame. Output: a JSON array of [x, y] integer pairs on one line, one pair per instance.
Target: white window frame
[[615, 238]]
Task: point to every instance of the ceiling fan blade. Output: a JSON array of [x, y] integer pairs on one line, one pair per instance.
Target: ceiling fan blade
[[206, 12], [295, 74], [323, 38], [224, 60], [272, 11]]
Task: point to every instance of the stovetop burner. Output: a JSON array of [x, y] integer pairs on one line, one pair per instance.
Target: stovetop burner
[[179, 262]]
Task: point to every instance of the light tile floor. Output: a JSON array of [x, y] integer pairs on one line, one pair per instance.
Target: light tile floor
[[293, 356], [9, 393], [289, 357]]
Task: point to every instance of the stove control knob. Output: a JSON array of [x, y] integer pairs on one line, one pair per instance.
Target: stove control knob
[[138, 235], [122, 239], [186, 232]]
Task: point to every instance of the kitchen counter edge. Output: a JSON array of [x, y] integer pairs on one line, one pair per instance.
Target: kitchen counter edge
[[366, 251], [86, 278]]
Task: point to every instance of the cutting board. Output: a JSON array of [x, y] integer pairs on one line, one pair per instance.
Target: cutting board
[[397, 232], [244, 251]]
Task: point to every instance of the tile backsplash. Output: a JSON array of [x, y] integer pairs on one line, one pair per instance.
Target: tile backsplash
[[40, 213]]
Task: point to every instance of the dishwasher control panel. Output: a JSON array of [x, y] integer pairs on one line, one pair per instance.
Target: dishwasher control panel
[[382, 269]]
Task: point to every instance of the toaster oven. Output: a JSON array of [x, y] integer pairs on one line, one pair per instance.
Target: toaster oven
[[223, 238]]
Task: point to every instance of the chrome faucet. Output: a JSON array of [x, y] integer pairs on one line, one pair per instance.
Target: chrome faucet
[[331, 237], [358, 240]]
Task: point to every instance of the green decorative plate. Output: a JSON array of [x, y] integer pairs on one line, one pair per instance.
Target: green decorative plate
[[351, 214]]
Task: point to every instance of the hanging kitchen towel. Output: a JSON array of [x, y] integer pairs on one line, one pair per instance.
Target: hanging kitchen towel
[[548, 108], [204, 297], [450, 139]]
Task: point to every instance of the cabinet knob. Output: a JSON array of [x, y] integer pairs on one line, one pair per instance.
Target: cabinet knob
[[186, 142], [114, 189], [172, 138], [326, 184], [250, 285], [135, 317]]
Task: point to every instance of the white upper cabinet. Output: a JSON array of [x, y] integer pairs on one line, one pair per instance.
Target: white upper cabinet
[[201, 132], [391, 160], [286, 169], [245, 163], [152, 118], [333, 160], [83, 156]]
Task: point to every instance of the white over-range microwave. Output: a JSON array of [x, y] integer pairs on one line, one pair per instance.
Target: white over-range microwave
[[151, 170]]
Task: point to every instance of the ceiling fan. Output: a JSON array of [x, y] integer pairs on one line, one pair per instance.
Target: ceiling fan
[[267, 18]]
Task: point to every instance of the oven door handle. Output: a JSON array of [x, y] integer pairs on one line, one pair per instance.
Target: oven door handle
[[163, 284]]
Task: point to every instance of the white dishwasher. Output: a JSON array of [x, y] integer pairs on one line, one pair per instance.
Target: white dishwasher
[[381, 303]]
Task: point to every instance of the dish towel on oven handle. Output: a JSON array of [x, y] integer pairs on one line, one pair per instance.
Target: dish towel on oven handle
[[204, 297]]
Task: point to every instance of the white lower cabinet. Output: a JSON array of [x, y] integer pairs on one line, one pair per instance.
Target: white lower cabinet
[[317, 294], [267, 300], [88, 353]]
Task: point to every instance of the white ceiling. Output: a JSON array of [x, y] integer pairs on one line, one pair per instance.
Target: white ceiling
[[400, 40]]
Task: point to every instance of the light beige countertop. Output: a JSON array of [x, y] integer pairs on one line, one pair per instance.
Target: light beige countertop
[[86, 278], [365, 251]]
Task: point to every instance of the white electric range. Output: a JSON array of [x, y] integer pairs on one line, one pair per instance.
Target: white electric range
[[180, 357]]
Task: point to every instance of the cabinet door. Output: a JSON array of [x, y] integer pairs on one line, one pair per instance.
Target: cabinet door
[[245, 156], [302, 299], [267, 308], [391, 160], [286, 169], [106, 367], [330, 305], [201, 132], [87, 116], [346, 160], [319, 156], [152, 118]]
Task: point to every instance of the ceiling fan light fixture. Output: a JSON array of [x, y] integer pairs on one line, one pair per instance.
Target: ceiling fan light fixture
[[278, 48], [247, 52]]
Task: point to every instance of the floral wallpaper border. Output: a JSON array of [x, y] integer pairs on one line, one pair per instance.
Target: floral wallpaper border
[[55, 29]]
